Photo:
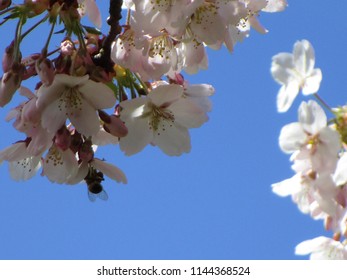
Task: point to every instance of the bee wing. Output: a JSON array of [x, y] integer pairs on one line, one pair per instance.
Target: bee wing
[[103, 195], [92, 196]]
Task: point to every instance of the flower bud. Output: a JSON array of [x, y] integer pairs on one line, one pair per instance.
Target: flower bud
[[113, 124], [67, 47], [37, 6], [7, 58], [10, 82], [45, 70], [4, 4], [63, 138]]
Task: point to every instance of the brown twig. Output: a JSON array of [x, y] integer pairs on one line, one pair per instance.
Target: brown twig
[[103, 58]]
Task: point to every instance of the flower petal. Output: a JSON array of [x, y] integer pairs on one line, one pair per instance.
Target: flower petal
[[312, 245], [98, 95], [312, 117], [165, 94], [84, 118], [286, 96], [188, 114], [340, 175], [292, 137], [173, 141], [24, 169], [288, 186], [110, 170], [139, 135], [312, 83], [304, 58], [282, 68], [48, 94], [59, 165], [54, 116], [275, 6]]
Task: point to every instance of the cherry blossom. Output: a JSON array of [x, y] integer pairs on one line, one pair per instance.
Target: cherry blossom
[[161, 118], [295, 71], [135, 70], [322, 248], [76, 98], [312, 138]]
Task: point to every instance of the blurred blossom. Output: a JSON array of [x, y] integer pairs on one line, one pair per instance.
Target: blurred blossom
[[294, 72]]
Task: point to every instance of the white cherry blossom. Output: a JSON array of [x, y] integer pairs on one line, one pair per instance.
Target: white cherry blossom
[[76, 98], [22, 164], [58, 165], [162, 118], [295, 71], [322, 248], [312, 138]]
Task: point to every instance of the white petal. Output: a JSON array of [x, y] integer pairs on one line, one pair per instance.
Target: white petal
[[340, 175], [133, 108], [93, 12], [312, 117], [48, 94], [98, 95], [103, 138], [292, 137], [139, 135], [304, 57], [312, 82], [282, 68], [54, 116], [110, 170], [188, 114], [84, 119], [288, 186], [198, 90], [173, 141], [24, 91], [255, 23], [82, 172], [165, 94], [286, 96], [24, 169], [312, 245], [275, 6], [15, 152], [59, 165]]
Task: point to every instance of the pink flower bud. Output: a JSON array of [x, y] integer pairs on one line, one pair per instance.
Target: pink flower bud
[[45, 70], [4, 4], [113, 124], [63, 138], [37, 6], [67, 47], [7, 58], [10, 82]]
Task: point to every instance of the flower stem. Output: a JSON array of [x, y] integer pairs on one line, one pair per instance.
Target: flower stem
[[141, 82], [45, 48], [34, 26], [323, 103], [7, 10], [17, 40]]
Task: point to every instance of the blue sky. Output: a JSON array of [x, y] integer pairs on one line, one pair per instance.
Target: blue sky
[[213, 203]]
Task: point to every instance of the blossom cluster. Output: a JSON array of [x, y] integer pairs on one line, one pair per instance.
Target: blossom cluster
[[123, 88], [318, 151]]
